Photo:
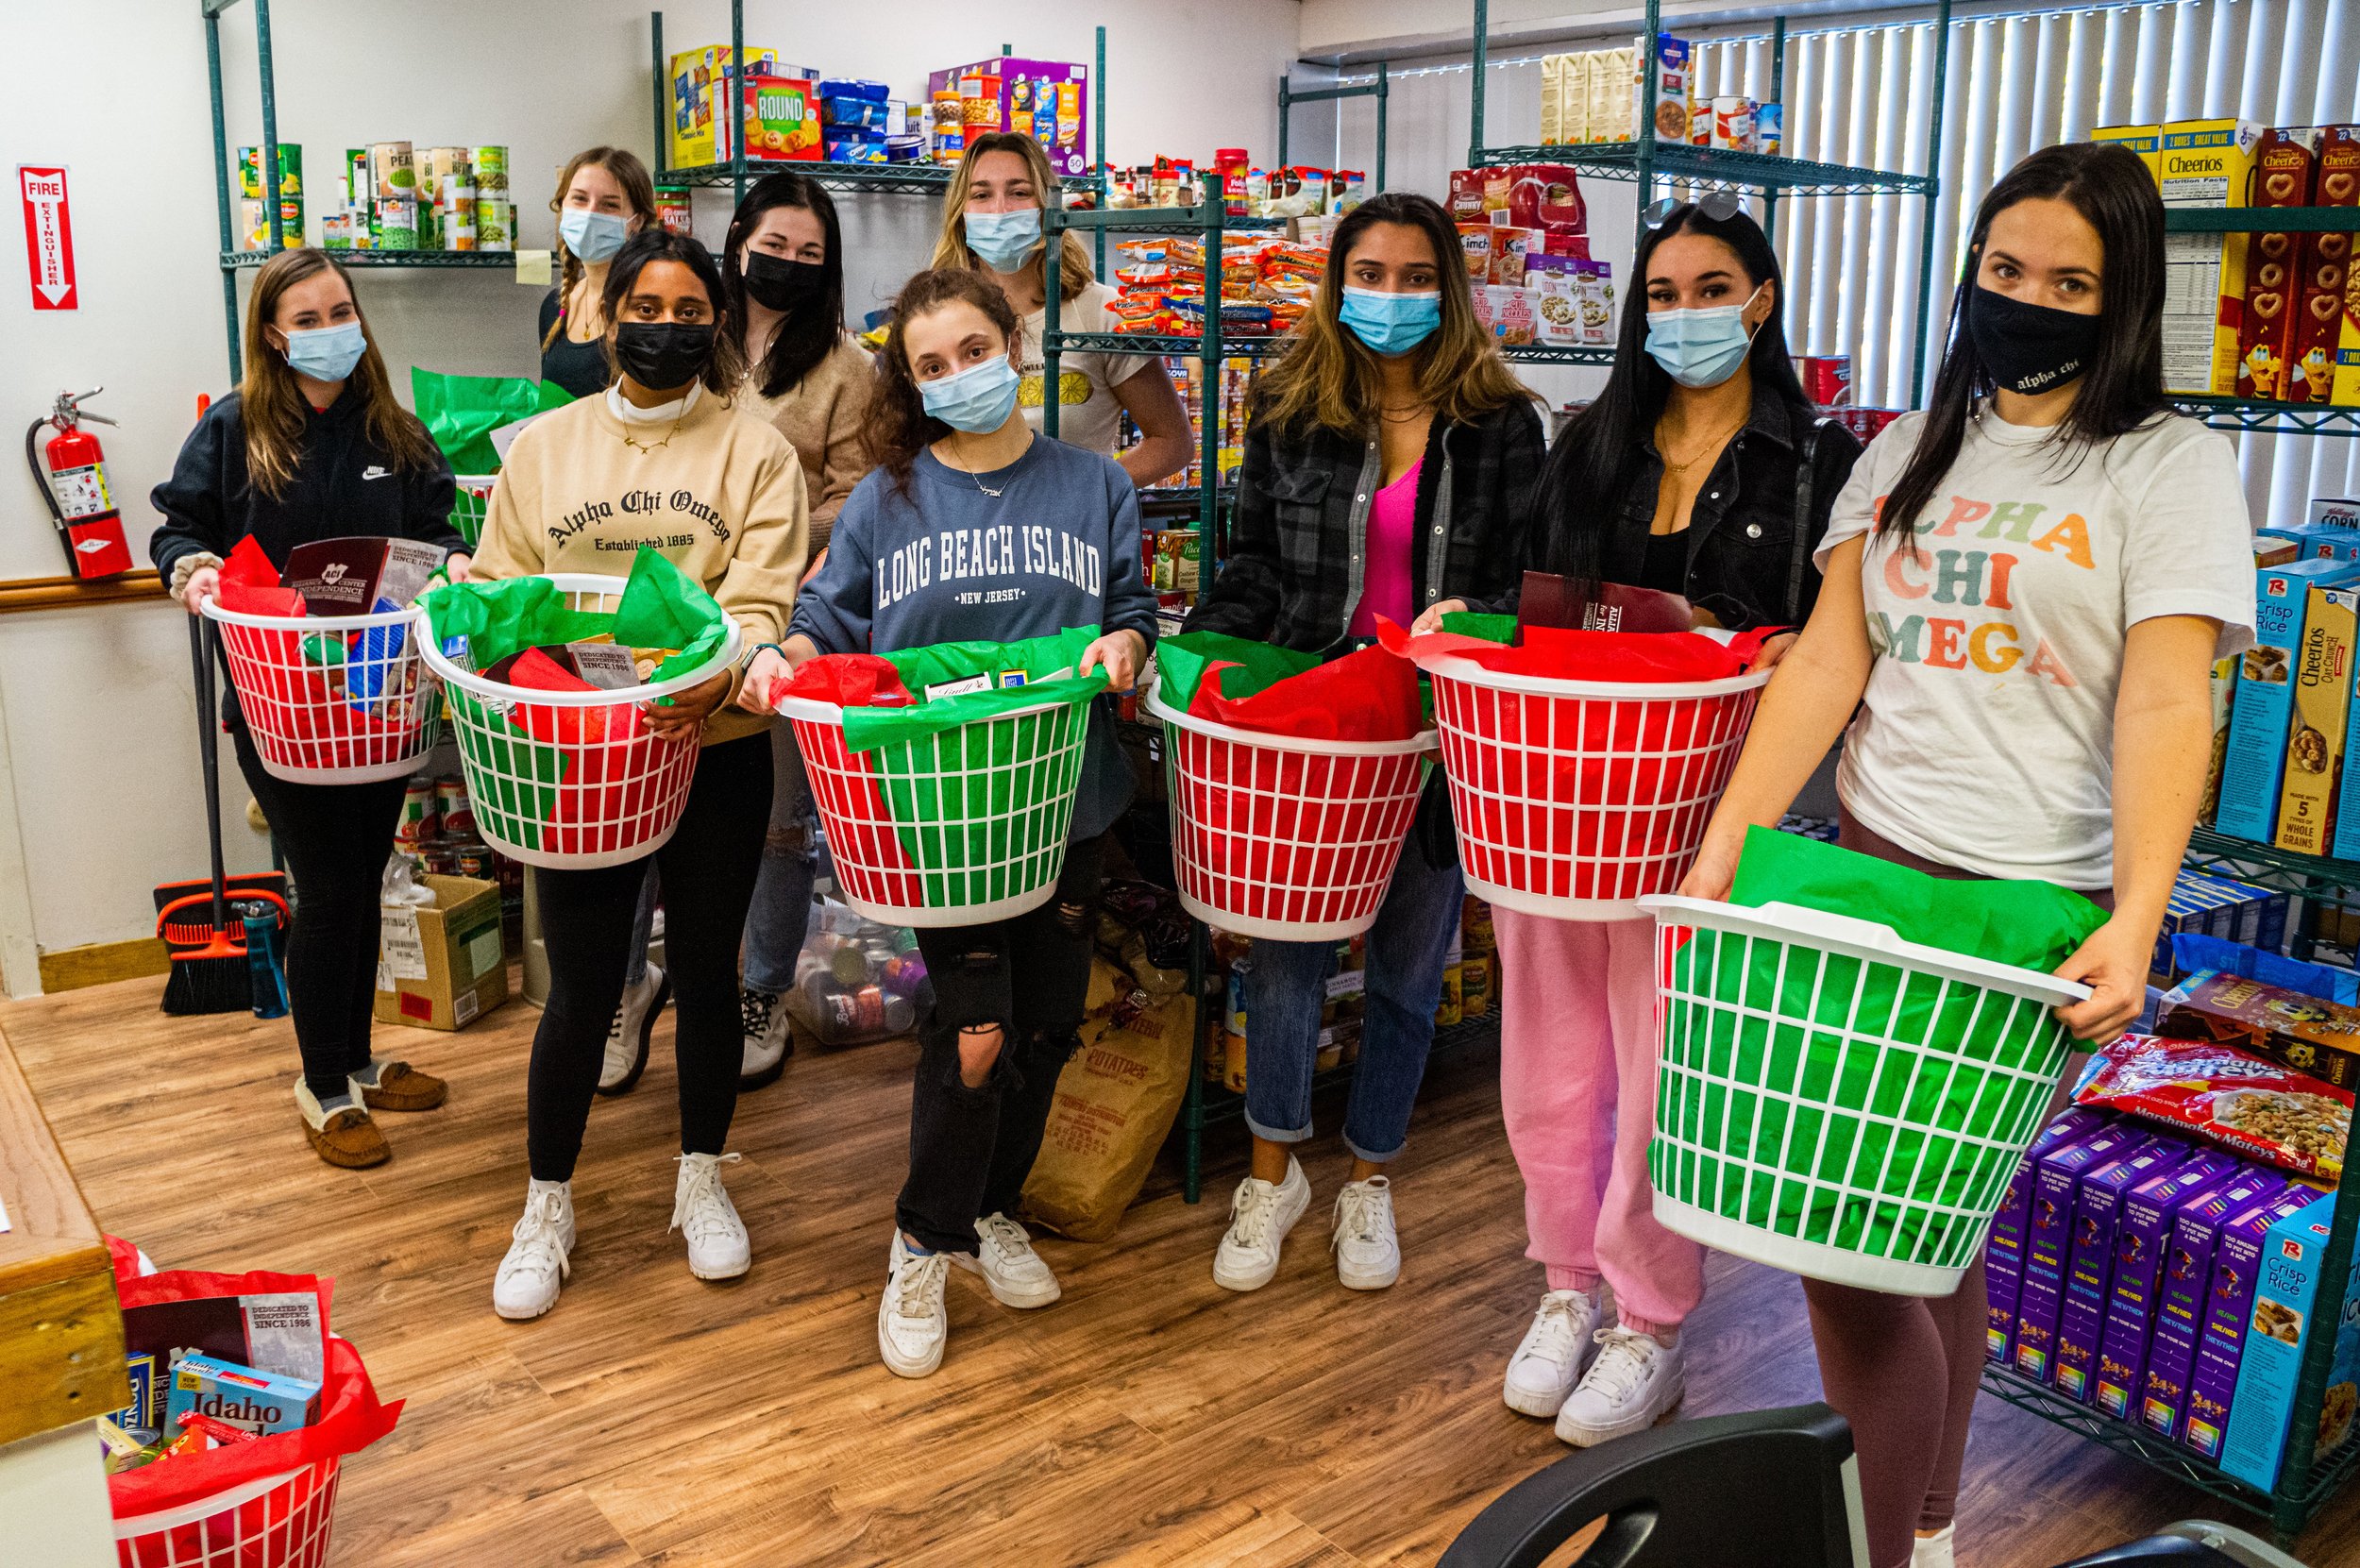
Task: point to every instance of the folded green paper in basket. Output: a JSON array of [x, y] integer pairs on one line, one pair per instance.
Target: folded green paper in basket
[[1046, 664], [660, 607], [461, 411]]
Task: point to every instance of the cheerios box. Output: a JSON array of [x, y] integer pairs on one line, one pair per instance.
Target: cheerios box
[[2205, 165], [2321, 710], [2262, 711], [2290, 1308]]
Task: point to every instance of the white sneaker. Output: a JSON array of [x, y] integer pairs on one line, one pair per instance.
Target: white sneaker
[[1636, 1378], [701, 1211], [1933, 1551], [1260, 1215], [633, 1025], [536, 1267], [1542, 1373], [769, 1039], [1005, 1256], [1368, 1252], [913, 1324]]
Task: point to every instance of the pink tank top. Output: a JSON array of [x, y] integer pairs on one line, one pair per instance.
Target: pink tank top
[[1384, 574]]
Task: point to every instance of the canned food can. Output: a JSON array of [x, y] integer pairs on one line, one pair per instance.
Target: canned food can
[[1770, 129], [474, 860], [451, 805], [1733, 124]]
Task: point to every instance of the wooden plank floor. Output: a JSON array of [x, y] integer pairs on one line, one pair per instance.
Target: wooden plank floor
[[1149, 1418]]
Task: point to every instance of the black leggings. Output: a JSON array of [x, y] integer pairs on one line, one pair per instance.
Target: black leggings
[[335, 839], [708, 866], [970, 1149]]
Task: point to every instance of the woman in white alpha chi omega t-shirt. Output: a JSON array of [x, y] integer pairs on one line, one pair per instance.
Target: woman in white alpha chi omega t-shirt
[[2026, 587]]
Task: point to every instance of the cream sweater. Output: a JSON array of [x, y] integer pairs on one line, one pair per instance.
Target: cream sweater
[[822, 415], [718, 494]]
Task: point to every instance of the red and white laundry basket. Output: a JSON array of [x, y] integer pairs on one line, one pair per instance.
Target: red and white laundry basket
[[332, 699], [1282, 836], [1575, 798]]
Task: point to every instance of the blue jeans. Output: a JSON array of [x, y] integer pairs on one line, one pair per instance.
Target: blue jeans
[[1286, 985], [790, 859]]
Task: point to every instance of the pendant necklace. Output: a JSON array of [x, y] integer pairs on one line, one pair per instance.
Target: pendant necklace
[[979, 484]]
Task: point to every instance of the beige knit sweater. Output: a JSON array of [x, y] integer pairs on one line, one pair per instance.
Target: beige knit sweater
[[822, 415]]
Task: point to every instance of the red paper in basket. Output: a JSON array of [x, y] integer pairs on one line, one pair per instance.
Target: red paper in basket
[[553, 724], [1560, 653], [249, 584], [846, 680], [1371, 694]]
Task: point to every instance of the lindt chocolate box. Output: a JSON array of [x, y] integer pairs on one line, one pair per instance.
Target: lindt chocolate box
[[2236, 1262], [2089, 1265], [2188, 1275], [2306, 1032], [2003, 1249], [2142, 1237], [2048, 1239]]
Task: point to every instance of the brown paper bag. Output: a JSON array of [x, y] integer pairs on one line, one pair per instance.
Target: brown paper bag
[[1115, 1104]]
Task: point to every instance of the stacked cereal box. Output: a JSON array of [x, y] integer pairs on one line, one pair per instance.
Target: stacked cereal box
[[2204, 164]]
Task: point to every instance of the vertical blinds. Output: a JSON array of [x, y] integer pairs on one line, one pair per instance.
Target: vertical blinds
[[1861, 93]]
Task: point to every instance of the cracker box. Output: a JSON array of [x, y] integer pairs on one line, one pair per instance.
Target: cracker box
[[2285, 164], [2142, 1237], [264, 1403], [701, 99], [2179, 1319], [781, 119], [2049, 1241], [2205, 165], [2322, 263], [2089, 1263], [2308, 1033], [440, 966], [2146, 140], [2004, 1247], [2229, 1306], [2264, 704], [2291, 1305], [2323, 705]]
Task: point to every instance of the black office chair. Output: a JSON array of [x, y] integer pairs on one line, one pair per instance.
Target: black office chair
[[1770, 1489]]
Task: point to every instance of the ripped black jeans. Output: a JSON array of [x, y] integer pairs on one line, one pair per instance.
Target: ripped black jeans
[[970, 1149]]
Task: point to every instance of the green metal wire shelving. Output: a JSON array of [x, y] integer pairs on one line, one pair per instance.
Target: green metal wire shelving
[[480, 260], [2257, 220], [2232, 414], [1290, 96], [1690, 165]]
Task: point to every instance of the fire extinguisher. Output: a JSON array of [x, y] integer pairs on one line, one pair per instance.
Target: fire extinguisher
[[73, 483]]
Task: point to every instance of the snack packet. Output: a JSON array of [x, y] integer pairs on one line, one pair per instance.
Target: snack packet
[[2258, 1108]]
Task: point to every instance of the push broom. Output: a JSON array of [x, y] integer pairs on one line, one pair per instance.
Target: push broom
[[211, 971]]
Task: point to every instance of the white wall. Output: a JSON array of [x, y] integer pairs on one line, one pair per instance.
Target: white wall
[[99, 723]]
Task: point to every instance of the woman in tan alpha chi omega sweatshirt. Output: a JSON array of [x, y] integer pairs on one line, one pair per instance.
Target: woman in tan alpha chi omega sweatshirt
[[661, 461]]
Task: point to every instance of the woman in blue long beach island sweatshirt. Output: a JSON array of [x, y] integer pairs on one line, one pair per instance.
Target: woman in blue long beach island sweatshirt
[[974, 528]]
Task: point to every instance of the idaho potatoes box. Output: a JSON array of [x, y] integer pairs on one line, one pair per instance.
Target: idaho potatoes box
[[2322, 708], [2263, 709], [440, 966], [2292, 1305]]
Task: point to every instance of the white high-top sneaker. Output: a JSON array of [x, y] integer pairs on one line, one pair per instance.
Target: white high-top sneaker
[[913, 1322], [1005, 1256], [535, 1268], [1553, 1352], [770, 1040], [701, 1211], [1260, 1215], [633, 1025]]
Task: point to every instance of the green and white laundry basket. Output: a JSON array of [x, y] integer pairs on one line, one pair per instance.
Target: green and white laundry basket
[[1836, 1101]]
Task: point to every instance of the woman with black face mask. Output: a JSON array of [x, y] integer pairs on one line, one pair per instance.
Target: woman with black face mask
[[661, 461], [2026, 587]]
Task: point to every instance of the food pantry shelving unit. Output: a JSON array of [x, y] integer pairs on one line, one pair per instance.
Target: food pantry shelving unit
[[2240, 415], [1290, 96]]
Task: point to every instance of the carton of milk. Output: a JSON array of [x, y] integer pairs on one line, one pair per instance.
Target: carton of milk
[[2292, 1304], [2261, 713], [2142, 1237]]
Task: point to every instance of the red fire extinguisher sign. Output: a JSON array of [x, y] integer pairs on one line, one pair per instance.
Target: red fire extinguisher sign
[[48, 237]]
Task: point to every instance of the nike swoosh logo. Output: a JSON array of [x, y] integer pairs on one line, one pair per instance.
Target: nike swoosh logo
[[374, 472]]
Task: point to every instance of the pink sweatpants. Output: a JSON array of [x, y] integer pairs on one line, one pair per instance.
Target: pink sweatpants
[[1578, 1068]]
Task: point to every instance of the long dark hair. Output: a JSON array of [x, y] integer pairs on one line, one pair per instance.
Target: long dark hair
[[2123, 388], [727, 367], [809, 332], [271, 404], [899, 426], [1597, 456]]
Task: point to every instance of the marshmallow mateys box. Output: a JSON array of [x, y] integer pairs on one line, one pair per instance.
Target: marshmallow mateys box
[[2236, 1261], [2178, 1319], [2262, 709], [2323, 706], [2089, 1266], [440, 966], [2205, 165], [2142, 1237], [359, 575], [2003, 1248], [264, 1403], [2290, 1307]]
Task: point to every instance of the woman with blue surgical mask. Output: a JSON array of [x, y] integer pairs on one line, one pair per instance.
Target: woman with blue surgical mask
[[1054, 532], [312, 446], [1701, 470], [991, 222], [1391, 458], [603, 198]]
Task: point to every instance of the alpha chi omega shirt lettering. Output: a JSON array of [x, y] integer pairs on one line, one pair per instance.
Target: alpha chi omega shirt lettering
[[1986, 735]]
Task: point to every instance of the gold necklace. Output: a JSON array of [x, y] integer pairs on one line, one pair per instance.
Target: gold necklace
[[639, 445], [1679, 470]]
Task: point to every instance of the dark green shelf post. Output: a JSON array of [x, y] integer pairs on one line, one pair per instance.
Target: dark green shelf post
[[1479, 49], [1777, 96], [1216, 210], [221, 187], [266, 175], [1644, 111], [662, 122], [1098, 138], [1933, 198], [1384, 91], [1192, 1108], [735, 76], [1051, 315]]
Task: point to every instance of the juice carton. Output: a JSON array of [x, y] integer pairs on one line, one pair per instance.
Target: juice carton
[[2179, 1319], [2003, 1249], [264, 1403], [2293, 1304], [1613, 105], [2146, 140], [2323, 706], [2142, 1237], [2322, 265], [2284, 173], [2262, 709], [2236, 1267], [2089, 1265], [2049, 1241], [2206, 165]]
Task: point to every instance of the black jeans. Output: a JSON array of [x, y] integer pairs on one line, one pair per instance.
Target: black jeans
[[335, 839], [970, 1149], [586, 918]]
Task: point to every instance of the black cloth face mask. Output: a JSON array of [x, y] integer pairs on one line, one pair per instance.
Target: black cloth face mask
[[661, 355], [2028, 348], [777, 283]]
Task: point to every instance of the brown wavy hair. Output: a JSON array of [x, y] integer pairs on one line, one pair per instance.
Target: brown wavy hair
[[950, 248], [1327, 377], [899, 426], [273, 407], [638, 189]]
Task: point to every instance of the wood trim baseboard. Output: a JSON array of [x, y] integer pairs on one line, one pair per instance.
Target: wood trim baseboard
[[66, 593], [100, 963]]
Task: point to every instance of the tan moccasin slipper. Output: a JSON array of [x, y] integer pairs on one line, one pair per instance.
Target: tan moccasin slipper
[[400, 1087], [344, 1137]]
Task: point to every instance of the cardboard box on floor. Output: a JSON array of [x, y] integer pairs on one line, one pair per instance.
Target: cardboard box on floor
[[440, 966]]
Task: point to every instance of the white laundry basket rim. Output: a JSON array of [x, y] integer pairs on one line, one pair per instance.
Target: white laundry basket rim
[[1424, 740], [430, 648], [1852, 937], [131, 1526], [1459, 666], [374, 621]]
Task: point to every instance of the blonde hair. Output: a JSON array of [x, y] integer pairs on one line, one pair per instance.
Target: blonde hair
[[950, 248], [271, 403], [1328, 377], [638, 189]]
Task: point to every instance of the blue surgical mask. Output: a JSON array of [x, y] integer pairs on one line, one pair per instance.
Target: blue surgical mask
[[1005, 241], [1391, 324], [977, 400], [327, 353], [592, 237], [1701, 348]]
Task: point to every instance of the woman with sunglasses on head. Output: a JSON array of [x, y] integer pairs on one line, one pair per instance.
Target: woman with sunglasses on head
[[1390, 459], [1701, 470], [1045, 538], [2026, 587], [991, 222], [660, 461]]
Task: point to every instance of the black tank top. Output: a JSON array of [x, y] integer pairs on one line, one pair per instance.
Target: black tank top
[[579, 367]]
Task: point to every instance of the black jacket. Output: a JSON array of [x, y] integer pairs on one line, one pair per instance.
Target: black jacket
[[1295, 564], [344, 484]]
